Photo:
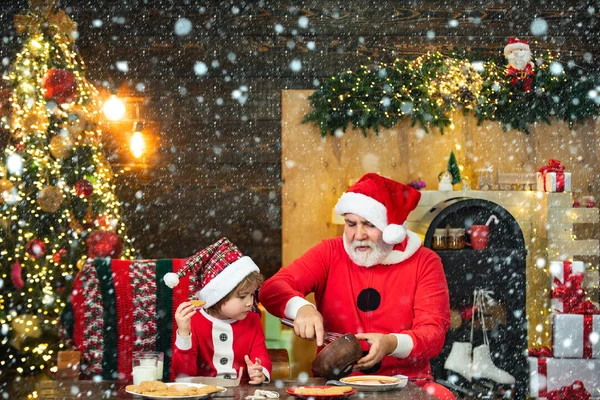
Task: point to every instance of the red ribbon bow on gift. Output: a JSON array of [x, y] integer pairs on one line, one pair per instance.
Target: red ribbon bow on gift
[[585, 307], [553, 166], [574, 392], [569, 292], [541, 352]]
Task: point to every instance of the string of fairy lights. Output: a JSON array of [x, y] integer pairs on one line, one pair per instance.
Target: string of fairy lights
[[428, 89], [36, 197]]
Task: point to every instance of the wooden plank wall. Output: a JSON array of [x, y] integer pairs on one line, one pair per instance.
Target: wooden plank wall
[[216, 165]]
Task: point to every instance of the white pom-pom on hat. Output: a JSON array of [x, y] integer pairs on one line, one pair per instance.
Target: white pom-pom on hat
[[394, 234], [171, 279]]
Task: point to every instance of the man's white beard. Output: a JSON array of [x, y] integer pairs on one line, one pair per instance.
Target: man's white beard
[[519, 59], [379, 251]]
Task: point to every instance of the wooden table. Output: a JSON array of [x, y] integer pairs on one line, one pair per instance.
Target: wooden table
[[116, 390]]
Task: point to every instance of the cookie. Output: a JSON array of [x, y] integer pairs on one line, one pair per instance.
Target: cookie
[[207, 389], [152, 386], [132, 388], [197, 303]]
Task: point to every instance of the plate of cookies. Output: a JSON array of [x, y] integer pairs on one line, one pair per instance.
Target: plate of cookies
[[375, 383], [173, 390], [305, 392]]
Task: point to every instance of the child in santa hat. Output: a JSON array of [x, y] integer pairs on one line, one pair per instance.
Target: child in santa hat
[[224, 335]]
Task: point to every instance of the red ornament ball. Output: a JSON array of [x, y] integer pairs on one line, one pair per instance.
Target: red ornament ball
[[35, 248], [60, 85], [84, 188], [103, 244]]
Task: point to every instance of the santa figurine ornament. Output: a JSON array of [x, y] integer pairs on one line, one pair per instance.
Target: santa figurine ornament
[[520, 67]]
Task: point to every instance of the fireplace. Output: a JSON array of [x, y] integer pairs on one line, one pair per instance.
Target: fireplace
[[500, 268]]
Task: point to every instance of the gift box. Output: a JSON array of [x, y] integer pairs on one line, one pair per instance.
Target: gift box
[[554, 182], [576, 336], [547, 374], [553, 178], [561, 270]]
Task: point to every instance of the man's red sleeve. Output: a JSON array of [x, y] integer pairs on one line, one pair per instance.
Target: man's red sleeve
[[431, 310], [305, 275]]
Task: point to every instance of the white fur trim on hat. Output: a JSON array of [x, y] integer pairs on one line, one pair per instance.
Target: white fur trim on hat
[[222, 284], [514, 46], [413, 244], [363, 206]]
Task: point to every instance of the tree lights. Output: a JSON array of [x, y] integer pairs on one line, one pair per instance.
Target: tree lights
[[57, 189]]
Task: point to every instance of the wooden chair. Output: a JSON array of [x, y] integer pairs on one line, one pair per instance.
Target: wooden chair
[[121, 306], [281, 363]]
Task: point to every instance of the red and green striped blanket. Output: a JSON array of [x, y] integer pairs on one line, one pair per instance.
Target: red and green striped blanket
[[118, 307]]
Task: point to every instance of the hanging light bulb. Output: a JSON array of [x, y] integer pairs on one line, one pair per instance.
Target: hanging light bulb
[[14, 164], [137, 143], [114, 108]]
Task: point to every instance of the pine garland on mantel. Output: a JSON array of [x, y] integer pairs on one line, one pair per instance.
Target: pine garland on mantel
[[428, 89]]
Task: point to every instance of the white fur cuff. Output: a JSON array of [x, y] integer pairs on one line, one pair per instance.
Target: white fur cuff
[[404, 346], [293, 305]]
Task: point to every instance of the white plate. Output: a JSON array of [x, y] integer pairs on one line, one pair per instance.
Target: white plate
[[375, 383], [197, 385]]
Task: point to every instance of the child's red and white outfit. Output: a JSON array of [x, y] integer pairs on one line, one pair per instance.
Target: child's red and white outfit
[[217, 347]]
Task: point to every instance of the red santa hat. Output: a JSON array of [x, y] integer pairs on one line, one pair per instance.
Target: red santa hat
[[216, 271], [381, 201], [515, 44]]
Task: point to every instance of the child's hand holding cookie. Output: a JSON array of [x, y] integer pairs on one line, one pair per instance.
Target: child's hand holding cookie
[[183, 314]]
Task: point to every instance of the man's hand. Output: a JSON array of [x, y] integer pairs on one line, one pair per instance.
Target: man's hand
[[183, 314], [309, 324], [381, 346], [255, 371]]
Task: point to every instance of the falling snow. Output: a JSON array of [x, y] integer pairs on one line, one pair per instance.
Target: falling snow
[[212, 86]]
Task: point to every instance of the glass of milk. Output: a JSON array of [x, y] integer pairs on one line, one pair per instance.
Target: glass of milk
[[147, 366]]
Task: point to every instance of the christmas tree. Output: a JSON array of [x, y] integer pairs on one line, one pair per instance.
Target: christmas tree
[[58, 206], [453, 168]]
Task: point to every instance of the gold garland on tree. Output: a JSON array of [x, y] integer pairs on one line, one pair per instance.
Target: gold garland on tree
[[42, 15]]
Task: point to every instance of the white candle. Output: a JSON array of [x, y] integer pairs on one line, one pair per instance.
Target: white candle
[[159, 371], [144, 373]]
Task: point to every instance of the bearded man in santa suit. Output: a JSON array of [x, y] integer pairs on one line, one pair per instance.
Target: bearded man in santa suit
[[520, 67], [377, 282]]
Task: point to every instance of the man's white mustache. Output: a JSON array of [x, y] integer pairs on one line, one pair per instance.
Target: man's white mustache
[[363, 243]]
